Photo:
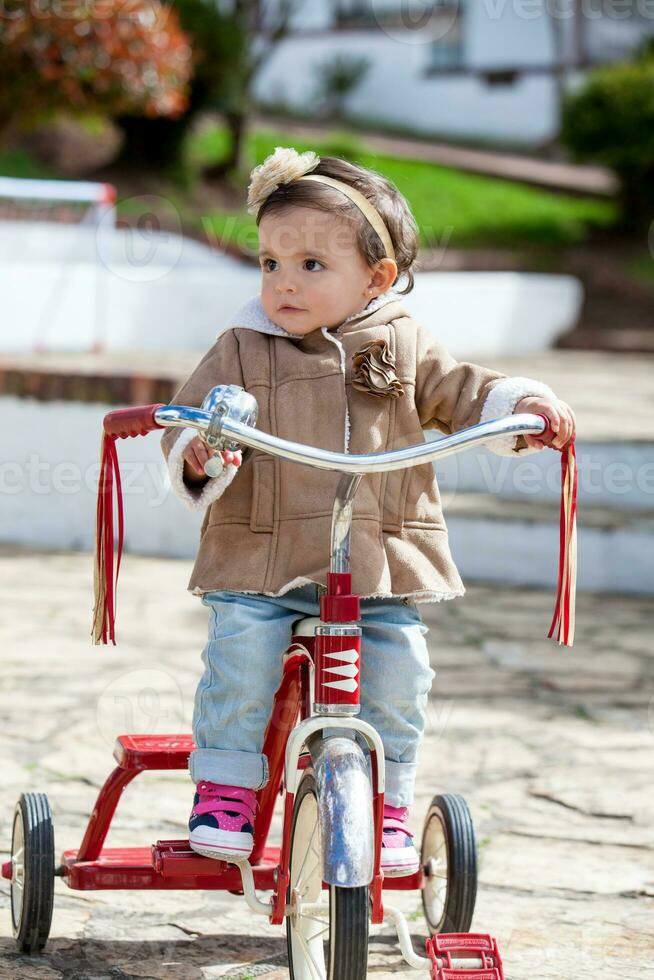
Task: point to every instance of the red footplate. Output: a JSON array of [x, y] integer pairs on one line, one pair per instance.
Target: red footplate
[[449, 952]]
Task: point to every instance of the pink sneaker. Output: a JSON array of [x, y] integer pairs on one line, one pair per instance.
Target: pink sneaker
[[221, 824], [398, 854]]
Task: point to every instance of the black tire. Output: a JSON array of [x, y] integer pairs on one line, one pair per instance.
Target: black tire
[[32, 885], [345, 943], [450, 892]]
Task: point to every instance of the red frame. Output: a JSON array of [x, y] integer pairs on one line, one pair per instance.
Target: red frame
[[172, 864]]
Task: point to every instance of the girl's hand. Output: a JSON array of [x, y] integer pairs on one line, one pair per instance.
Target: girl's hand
[[196, 455], [560, 416]]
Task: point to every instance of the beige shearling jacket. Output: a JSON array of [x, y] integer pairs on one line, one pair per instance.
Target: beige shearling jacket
[[266, 526]]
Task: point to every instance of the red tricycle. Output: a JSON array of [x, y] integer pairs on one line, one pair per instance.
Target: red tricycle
[[325, 880]]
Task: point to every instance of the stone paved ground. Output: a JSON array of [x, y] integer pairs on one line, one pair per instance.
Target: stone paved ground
[[552, 748]]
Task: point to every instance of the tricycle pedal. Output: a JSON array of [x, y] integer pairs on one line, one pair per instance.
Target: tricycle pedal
[[448, 952]]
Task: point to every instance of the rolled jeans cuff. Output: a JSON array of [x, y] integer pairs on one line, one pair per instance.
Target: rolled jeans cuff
[[400, 782], [231, 768]]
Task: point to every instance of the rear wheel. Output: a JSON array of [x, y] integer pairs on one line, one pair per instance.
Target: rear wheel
[[449, 861], [326, 931], [32, 866]]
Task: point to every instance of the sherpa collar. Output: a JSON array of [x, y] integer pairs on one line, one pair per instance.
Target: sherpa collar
[[252, 315]]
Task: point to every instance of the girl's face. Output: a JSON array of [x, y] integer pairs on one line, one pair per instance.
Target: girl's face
[[312, 273]]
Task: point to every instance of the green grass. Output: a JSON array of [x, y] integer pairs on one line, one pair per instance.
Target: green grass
[[451, 207], [18, 163]]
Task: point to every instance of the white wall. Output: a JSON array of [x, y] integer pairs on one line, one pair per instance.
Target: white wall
[[185, 294], [496, 34], [66, 287], [396, 89]]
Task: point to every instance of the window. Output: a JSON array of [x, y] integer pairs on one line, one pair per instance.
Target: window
[[355, 13], [447, 47]]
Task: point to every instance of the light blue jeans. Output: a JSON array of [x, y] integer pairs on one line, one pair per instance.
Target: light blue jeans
[[242, 668]]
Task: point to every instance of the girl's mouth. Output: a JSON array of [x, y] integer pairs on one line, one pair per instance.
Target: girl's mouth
[[290, 309]]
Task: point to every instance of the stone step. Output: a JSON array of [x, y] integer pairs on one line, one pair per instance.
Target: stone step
[[494, 539]]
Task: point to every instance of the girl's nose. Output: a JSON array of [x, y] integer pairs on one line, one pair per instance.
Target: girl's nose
[[285, 287]]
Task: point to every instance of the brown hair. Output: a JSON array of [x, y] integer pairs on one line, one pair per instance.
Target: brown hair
[[380, 191]]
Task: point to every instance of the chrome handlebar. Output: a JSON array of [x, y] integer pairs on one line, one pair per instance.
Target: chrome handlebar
[[233, 431], [227, 420]]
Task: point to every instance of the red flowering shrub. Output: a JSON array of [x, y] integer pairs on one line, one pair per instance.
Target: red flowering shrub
[[103, 56]]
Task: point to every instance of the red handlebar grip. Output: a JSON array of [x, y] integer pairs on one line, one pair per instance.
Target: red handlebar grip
[[138, 420]]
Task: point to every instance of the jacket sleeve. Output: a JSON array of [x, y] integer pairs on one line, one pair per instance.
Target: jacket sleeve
[[453, 395], [220, 365]]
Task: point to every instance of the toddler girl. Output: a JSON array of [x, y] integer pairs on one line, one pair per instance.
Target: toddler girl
[[334, 360]]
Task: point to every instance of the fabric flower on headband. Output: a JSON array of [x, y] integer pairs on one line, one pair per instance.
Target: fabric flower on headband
[[281, 167], [374, 367]]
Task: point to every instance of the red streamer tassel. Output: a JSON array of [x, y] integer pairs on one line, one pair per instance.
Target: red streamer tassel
[[105, 581], [563, 622], [122, 423]]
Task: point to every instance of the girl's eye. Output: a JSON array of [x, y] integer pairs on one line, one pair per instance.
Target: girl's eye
[[266, 264]]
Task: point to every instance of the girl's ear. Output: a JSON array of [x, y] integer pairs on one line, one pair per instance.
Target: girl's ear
[[383, 276]]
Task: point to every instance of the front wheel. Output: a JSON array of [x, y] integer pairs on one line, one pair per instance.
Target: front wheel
[[449, 862], [327, 935]]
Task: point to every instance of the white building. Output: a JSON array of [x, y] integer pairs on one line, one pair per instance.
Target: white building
[[488, 69]]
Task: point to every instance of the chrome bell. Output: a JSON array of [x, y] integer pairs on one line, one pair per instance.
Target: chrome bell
[[226, 402]]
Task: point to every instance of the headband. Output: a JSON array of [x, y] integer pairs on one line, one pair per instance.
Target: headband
[[286, 165], [363, 204]]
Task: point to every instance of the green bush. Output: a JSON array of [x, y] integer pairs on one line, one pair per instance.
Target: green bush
[[218, 42], [337, 78], [610, 121]]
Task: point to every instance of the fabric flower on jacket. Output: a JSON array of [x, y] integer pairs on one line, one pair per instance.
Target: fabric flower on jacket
[[281, 167], [374, 371]]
